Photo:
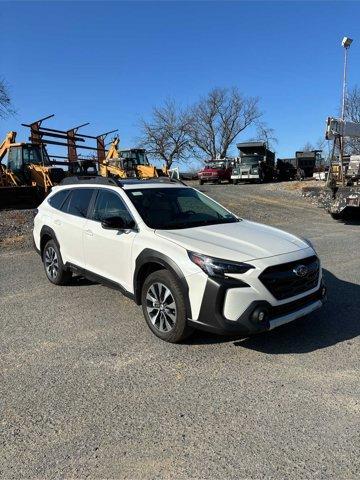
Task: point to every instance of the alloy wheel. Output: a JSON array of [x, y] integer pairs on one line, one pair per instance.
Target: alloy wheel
[[161, 307], [51, 262]]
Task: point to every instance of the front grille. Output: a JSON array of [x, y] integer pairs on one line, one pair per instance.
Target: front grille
[[282, 281]]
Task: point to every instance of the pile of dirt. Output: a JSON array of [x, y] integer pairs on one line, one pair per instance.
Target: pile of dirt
[[16, 228]]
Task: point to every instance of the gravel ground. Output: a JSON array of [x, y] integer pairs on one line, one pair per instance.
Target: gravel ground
[[16, 229], [88, 392]]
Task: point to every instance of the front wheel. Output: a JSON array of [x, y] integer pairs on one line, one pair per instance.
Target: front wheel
[[201, 182], [164, 307], [53, 264]]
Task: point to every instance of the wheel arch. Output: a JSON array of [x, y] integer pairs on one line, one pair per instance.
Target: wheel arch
[[150, 261], [46, 234]]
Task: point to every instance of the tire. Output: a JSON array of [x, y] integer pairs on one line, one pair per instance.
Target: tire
[[201, 182], [236, 182], [53, 264], [335, 215], [161, 288]]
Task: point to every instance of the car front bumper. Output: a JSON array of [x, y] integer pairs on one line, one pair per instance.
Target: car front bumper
[[212, 315], [247, 176], [209, 178]]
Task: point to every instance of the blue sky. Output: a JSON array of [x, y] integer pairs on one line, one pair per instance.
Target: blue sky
[[108, 63]]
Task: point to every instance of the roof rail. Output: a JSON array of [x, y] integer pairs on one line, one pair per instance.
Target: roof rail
[[97, 179]]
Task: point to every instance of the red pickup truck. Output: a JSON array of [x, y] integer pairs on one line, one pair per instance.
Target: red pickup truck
[[215, 171]]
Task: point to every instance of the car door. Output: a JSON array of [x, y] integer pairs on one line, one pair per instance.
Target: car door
[[69, 224], [108, 252]]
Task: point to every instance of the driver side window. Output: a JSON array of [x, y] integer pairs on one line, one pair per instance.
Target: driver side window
[[108, 204]]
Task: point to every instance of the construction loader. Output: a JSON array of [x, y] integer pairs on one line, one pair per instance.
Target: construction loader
[[131, 163], [27, 175]]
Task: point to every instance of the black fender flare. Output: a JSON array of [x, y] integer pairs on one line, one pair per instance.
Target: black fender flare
[[46, 230], [148, 256]]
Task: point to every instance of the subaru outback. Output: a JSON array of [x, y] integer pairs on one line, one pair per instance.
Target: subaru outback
[[188, 261]]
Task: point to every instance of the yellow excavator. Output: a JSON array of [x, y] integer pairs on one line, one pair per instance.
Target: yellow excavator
[[132, 163]]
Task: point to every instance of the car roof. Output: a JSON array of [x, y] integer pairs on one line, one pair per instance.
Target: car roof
[[125, 184]]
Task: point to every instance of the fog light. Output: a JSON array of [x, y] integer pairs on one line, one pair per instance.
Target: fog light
[[259, 315]]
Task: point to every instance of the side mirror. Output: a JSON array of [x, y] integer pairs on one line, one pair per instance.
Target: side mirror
[[114, 223]]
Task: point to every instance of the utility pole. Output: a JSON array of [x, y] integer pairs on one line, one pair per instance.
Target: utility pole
[[346, 42]]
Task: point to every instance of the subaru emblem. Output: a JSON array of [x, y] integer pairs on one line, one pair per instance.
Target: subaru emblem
[[300, 271]]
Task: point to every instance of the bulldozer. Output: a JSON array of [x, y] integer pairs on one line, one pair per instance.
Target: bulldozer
[[131, 163]]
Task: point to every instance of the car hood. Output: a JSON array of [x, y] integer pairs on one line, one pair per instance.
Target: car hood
[[241, 241]]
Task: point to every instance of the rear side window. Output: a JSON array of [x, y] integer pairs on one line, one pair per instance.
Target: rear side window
[[78, 202], [57, 200]]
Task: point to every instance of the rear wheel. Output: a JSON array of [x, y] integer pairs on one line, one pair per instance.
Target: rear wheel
[[164, 308], [53, 264]]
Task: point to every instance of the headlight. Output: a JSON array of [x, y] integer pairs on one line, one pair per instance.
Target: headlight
[[216, 267]]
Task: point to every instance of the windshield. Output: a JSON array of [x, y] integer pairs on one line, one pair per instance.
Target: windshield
[[253, 160], [215, 165], [138, 157], [172, 208]]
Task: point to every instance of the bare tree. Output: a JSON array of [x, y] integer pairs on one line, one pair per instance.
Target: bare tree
[[308, 147], [266, 134], [352, 113], [166, 135], [218, 118], [5, 101]]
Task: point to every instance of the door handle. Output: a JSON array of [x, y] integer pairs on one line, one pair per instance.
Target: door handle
[[89, 233]]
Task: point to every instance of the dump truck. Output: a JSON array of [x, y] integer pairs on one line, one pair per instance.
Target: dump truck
[[255, 163], [301, 166]]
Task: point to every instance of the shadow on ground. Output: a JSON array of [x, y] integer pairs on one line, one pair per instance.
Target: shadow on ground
[[337, 321], [78, 281]]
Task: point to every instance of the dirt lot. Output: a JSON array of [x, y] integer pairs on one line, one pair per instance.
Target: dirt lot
[[88, 392]]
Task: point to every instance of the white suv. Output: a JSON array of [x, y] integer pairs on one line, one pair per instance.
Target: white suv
[[187, 260]]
